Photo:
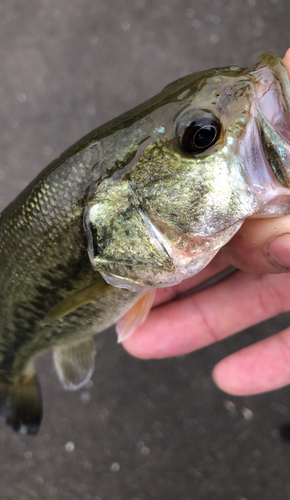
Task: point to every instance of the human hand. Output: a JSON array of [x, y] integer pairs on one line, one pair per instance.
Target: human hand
[[176, 327]]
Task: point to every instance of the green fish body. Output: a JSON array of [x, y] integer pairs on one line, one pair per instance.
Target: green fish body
[[142, 202]]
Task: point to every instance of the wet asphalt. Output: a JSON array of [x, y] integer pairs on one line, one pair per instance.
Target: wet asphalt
[[141, 430]]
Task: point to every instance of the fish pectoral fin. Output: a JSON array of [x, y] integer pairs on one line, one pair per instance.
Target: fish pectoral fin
[[78, 299], [21, 404], [75, 362], [135, 316]]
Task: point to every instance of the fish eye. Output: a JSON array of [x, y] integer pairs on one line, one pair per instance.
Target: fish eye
[[195, 134]]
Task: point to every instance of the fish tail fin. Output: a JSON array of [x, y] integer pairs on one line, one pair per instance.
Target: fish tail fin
[[21, 404]]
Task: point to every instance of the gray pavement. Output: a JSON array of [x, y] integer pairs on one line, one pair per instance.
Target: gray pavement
[[142, 430]]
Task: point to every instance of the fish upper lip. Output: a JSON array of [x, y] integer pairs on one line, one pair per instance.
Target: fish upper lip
[[272, 93], [268, 96]]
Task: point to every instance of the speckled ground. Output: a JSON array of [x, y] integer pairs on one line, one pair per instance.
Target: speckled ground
[[141, 430]]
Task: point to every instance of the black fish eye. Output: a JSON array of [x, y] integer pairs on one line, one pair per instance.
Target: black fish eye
[[199, 132]]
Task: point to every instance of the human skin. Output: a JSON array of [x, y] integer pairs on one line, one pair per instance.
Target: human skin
[[259, 290]]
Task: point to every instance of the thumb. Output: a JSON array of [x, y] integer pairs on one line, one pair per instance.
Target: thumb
[[261, 246]]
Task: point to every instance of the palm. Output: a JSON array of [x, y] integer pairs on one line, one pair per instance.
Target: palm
[[177, 327]]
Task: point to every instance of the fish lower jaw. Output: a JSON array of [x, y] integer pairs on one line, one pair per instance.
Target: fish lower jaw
[[185, 265]]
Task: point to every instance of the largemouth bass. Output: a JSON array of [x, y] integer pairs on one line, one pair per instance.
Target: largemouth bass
[[142, 202]]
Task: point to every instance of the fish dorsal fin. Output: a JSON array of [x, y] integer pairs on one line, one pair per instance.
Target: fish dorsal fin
[[75, 362], [21, 403], [78, 299], [135, 316]]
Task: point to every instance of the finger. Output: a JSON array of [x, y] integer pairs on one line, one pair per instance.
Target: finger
[[200, 319], [262, 367], [261, 246], [219, 264]]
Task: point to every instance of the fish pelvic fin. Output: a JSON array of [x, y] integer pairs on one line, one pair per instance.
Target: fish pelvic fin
[[78, 299], [21, 404], [135, 316], [75, 363]]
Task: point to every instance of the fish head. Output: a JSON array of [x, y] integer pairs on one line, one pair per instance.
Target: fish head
[[214, 149]]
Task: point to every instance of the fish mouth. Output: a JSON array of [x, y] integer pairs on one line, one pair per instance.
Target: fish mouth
[[266, 145], [272, 90]]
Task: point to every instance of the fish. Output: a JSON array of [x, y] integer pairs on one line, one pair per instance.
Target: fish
[[141, 202]]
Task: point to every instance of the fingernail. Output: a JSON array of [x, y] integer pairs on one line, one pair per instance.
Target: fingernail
[[278, 251]]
